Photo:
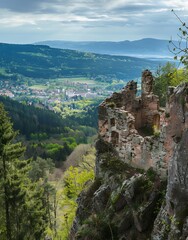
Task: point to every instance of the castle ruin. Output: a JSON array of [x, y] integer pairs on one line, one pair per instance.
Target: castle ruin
[[134, 125]]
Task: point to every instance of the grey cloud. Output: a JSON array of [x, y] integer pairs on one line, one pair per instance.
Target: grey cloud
[[78, 7], [86, 8], [23, 6], [105, 24], [134, 8], [51, 6], [92, 26], [80, 10], [19, 6], [69, 21]]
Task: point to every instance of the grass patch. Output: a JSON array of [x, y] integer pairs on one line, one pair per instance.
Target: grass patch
[[38, 87]]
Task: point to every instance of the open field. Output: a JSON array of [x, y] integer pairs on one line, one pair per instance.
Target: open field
[[39, 87]]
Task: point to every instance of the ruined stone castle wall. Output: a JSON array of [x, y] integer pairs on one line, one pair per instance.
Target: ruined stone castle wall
[[133, 125]]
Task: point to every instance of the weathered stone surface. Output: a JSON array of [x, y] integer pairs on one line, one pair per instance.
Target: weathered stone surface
[[125, 224], [129, 187], [123, 204], [120, 203], [128, 124], [175, 210], [145, 216], [147, 82], [101, 197]]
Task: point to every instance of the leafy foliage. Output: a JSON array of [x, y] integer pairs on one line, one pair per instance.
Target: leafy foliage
[[169, 75], [166, 76], [162, 81], [40, 168], [74, 181]]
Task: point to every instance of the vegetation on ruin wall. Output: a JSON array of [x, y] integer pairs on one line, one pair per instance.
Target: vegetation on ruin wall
[[168, 75]]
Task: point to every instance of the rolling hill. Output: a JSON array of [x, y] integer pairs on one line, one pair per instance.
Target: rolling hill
[[44, 62]]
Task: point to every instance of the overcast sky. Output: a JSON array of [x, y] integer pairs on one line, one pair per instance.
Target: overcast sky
[[28, 21]]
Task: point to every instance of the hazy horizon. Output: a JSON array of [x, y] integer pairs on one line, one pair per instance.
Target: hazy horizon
[[59, 40]]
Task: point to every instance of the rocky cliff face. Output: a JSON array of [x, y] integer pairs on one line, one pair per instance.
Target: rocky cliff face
[[139, 147], [172, 221]]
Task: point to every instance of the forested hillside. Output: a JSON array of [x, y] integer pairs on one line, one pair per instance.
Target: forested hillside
[[34, 204], [43, 62], [29, 119], [46, 133]]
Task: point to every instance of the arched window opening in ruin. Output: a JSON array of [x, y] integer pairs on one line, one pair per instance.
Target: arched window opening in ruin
[[115, 138], [112, 122], [138, 120]]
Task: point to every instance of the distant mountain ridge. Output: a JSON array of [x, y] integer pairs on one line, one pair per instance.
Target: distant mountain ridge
[[146, 48]]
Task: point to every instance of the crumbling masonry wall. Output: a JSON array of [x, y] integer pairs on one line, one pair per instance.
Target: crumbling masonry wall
[[133, 125]]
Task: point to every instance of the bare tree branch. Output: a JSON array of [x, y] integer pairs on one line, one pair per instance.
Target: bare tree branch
[[180, 48]]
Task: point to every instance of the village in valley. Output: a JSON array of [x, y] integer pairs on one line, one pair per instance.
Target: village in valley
[[54, 93]]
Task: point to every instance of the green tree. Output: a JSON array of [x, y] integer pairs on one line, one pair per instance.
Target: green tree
[[23, 203], [40, 168], [162, 81], [75, 179], [168, 75], [46, 194], [13, 180]]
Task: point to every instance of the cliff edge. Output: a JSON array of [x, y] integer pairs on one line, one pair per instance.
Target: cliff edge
[[141, 183]]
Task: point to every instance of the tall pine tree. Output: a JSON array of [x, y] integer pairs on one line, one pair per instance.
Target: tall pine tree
[[22, 212], [12, 169]]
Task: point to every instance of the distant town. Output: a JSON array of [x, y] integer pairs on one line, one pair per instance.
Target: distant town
[[46, 96]]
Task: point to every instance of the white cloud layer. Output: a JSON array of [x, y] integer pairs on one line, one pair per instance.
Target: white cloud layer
[[27, 21]]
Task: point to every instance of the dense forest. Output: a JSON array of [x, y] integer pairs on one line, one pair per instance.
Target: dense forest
[[30, 203], [29, 119], [48, 135]]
